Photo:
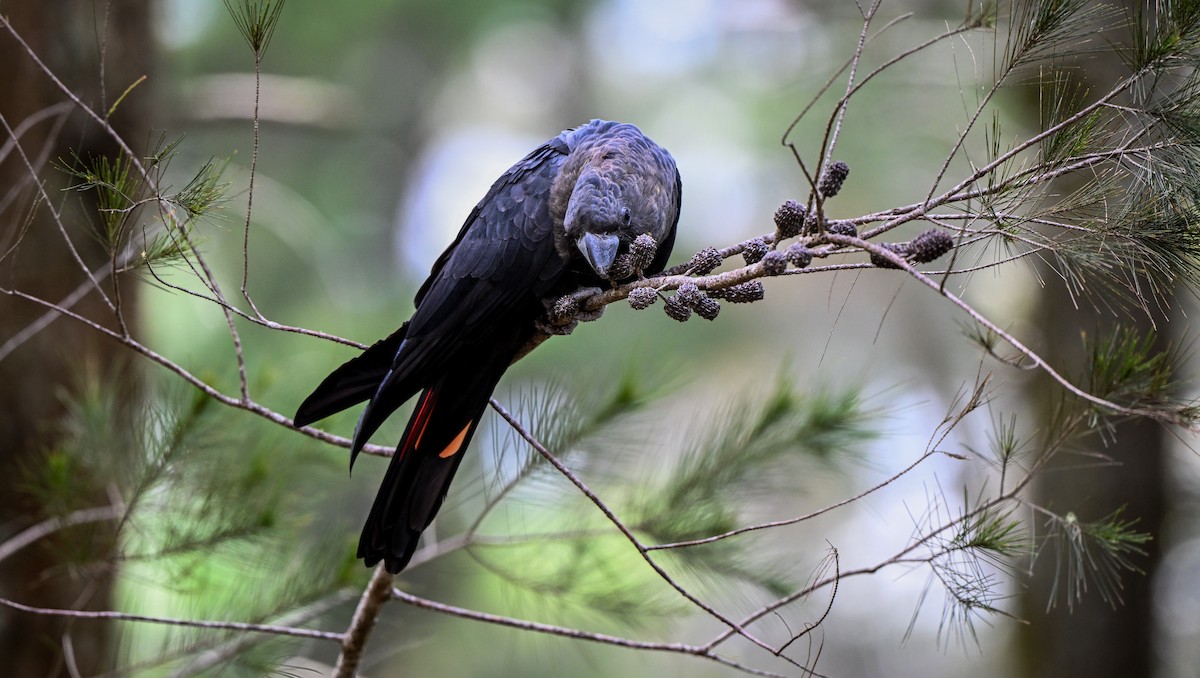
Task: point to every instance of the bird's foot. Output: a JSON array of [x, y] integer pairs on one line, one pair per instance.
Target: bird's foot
[[563, 314]]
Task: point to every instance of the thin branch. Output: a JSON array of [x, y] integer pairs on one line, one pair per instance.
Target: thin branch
[[43, 321], [62, 229], [809, 628], [628, 533], [1032, 141], [221, 654], [833, 131], [250, 190], [51, 525], [199, 384], [797, 519], [578, 634], [899, 558], [173, 621], [1030, 354]]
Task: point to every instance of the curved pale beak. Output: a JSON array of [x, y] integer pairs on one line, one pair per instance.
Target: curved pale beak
[[600, 251]]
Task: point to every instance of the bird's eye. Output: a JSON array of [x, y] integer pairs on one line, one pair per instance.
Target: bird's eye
[[626, 217]]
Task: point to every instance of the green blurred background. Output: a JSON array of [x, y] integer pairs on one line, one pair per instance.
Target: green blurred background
[[383, 122]]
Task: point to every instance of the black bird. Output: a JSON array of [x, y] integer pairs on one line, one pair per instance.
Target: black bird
[[554, 222]]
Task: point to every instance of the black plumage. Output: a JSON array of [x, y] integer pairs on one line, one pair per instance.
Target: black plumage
[[552, 223]]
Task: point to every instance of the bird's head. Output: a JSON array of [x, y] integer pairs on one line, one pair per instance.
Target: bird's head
[[621, 185]]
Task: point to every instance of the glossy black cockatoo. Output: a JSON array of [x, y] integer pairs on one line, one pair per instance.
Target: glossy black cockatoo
[[554, 222]]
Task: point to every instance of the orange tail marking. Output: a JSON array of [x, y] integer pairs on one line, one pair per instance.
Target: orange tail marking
[[454, 446]]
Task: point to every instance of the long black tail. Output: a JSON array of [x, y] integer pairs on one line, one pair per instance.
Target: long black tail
[[433, 443], [420, 472]]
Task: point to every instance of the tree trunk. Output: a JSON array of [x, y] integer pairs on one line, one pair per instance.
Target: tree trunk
[[66, 35], [1096, 639]]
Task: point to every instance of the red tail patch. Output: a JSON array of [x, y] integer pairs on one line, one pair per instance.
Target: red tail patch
[[420, 422]]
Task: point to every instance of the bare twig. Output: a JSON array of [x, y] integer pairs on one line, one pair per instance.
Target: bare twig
[[809, 628], [798, 519], [833, 131], [51, 525], [222, 653], [197, 382], [1166, 417], [620, 525], [172, 621], [568, 632], [250, 190], [57, 216]]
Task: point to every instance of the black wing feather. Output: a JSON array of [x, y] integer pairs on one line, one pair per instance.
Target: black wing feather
[[352, 383], [547, 156], [481, 285]]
